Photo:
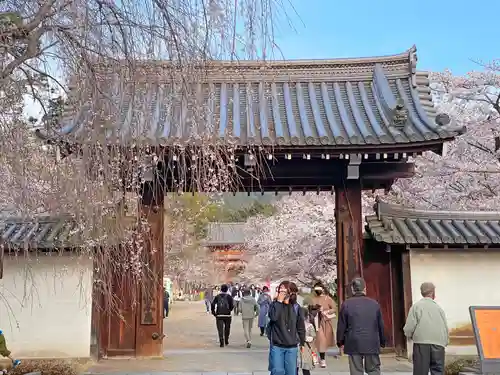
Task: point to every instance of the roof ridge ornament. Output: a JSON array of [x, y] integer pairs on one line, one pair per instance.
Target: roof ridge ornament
[[412, 57], [399, 114], [445, 121], [395, 109]]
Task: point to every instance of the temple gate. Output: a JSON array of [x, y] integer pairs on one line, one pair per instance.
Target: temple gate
[[339, 125]]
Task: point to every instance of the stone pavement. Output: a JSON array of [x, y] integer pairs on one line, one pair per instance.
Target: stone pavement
[[216, 363], [190, 327], [191, 348]]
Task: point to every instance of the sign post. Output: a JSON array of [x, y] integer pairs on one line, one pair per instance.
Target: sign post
[[486, 326]]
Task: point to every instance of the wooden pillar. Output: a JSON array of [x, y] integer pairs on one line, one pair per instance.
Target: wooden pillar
[[407, 293], [349, 226], [149, 323], [398, 303]]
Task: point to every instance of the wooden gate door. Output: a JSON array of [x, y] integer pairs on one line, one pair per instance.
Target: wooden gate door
[[114, 306], [122, 322]]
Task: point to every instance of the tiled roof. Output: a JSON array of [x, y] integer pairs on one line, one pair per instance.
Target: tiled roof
[[395, 224], [42, 233], [336, 103], [225, 234]]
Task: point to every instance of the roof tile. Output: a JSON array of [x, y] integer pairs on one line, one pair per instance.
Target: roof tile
[[394, 224], [225, 234], [344, 102], [42, 233]]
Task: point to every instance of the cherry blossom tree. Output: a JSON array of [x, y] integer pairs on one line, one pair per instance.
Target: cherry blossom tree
[[298, 241], [64, 49], [467, 175], [186, 260]]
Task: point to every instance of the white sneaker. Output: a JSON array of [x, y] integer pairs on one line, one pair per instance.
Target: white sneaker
[[322, 363]]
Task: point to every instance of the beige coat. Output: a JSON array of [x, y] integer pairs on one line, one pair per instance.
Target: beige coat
[[324, 336]]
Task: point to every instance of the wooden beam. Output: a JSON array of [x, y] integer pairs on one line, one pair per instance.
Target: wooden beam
[[407, 293], [149, 337], [1, 261], [349, 225], [302, 175], [398, 303], [149, 324]]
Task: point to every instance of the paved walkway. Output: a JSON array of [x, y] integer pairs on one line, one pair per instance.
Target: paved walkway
[[191, 348], [190, 327]]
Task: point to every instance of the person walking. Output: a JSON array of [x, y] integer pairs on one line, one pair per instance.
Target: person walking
[[360, 330], [5, 352], [427, 327], [236, 294], [307, 356], [286, 330], [221, 307], [249, 310], [258, 293], [323, 310], [264, 302], [209, 296], [166, 302]]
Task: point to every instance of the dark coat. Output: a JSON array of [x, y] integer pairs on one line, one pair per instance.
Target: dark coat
[[360, 328], [225, 306], [286, 325]]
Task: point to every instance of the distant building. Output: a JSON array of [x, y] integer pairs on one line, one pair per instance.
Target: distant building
[[226, 241]]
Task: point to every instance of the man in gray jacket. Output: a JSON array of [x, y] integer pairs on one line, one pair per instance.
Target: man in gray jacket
[[249, 309], [426, 326]]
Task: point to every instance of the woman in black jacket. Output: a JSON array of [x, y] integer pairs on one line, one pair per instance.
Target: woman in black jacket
[[286, 330]]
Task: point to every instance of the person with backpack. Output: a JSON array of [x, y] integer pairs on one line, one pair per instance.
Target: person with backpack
[[286, 330], [222, 305]]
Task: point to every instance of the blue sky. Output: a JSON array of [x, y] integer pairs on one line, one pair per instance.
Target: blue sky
[[448, 34]]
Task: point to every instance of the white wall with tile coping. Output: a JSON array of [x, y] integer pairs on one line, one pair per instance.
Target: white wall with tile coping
[[46, 304], [462, 278]]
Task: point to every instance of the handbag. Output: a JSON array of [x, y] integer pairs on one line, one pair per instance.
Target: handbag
[[330, 316]]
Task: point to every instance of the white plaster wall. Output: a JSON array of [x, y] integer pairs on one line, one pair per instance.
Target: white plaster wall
[[45, 305], [462, 279]]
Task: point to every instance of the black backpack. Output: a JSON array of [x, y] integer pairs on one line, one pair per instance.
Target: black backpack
[[222, 303]]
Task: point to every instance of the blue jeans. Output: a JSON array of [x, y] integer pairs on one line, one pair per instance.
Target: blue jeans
[[282, 361]]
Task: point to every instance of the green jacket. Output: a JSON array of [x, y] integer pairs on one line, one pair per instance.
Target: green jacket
[[426, 323], [3, 346]]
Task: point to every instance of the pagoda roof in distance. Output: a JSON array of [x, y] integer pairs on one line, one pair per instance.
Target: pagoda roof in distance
[[350, 104], [223, 234], [395, 224]]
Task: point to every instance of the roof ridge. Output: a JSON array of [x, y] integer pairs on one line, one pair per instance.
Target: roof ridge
[[388, 103], [288, 63], [384, 209], [35, 219], [220, 223]]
